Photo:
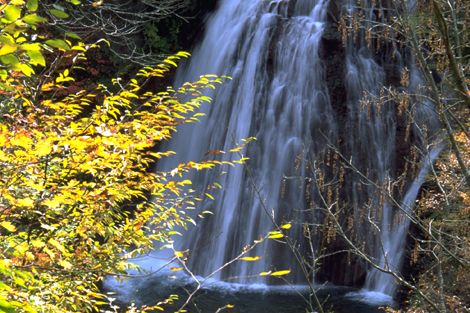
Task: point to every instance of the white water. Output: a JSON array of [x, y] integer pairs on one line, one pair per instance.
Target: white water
[[393, 237], [374, 144], [278, 94]]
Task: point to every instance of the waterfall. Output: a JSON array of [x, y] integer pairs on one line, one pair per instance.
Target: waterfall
[[278, 93], [373, 145]]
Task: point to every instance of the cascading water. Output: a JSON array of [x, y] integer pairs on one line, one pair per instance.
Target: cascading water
[[373, 148], [279, 94]]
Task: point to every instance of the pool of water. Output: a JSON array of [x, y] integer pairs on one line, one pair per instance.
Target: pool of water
[[149, 289]]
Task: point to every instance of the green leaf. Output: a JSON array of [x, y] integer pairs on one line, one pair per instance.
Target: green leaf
[[7, 39], [9, 59], [73, 35], [74, 2], [3, 74], [32, 5], [4, 286], [12, 12], [59, 13], [58, 43], [5, 306], [33, 19], [36, 58]]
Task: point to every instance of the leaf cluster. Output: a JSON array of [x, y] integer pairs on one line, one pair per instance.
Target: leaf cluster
[[77, 199]]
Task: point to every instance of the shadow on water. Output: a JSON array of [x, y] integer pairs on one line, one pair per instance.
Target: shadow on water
[[279, 302]]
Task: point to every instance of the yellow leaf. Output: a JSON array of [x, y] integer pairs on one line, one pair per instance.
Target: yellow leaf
[[49, 252], [29, 203], [37, 243], [47, 86], [52, 203], [179, 254], [21, 140], [5, 264], [29, 256], [170, 62], [56, 245], [8, 226], [175, 269], [174, 232], [238, 149], [286, 226], [251, 258], [7, 49], [280, 273], [43, 148], [12, 12], [275, 235], [21, 248], [264, 273], [25, 69], [65, 264], [31, 47], [62, 79], [19, 281]]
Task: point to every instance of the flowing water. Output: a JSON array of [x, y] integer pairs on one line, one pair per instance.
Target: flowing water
[[277, 94], [312, 164]]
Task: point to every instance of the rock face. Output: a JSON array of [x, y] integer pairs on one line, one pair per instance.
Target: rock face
[[333, 53], [196, 15]]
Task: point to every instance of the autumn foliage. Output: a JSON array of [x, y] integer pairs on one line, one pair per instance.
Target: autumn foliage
[[77, 199]]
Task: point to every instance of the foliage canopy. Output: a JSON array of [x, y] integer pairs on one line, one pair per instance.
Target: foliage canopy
[[77, 199]]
